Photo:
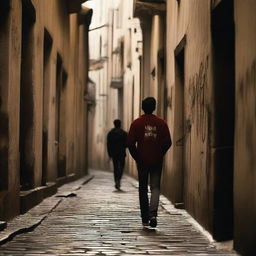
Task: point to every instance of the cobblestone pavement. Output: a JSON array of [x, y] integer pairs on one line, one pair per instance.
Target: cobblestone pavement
[[97, 220]]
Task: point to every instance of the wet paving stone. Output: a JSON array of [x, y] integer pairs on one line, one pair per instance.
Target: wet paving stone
[[101, 221]]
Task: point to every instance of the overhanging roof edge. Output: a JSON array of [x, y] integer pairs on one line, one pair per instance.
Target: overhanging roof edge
[[146, 8]]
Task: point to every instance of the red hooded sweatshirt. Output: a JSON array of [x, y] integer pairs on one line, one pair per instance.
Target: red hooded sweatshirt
[[149, 139]]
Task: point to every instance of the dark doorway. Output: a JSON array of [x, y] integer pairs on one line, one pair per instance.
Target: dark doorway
[[60, 125], [46, 101], [120, 103], [161, 76], [26, 98], [4, 119], [141, 78], [223, 41], [179, 132], [161, 97]]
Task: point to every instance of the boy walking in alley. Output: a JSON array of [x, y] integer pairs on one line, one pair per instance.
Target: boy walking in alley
[[116, 145], [148, 141]]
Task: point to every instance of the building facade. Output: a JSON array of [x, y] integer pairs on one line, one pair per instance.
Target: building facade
[[43, 112], [115, 47], [198, 61], [197, 58], [245, 127]]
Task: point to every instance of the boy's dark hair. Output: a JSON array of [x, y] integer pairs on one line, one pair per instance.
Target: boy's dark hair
[[117, 123], [149, 105]]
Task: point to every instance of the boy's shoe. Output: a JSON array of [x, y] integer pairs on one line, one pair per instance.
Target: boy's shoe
[[145, 222], [153, 222], [117, 186]]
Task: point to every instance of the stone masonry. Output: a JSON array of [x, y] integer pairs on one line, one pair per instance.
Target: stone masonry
[[92, 218]]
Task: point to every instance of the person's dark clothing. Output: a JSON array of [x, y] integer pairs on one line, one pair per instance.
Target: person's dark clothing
[[118, 164], [116, 143], [116, 146], [149, 209], [148, 141]]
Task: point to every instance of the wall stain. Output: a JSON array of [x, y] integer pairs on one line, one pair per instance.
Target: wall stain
[[197, 92], [247, 110]]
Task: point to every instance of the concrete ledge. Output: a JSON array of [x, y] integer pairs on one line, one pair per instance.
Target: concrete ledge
[[66, 179], [31, 219], [30, 198], [70, 188]]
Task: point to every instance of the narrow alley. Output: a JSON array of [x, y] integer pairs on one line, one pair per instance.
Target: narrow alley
[[174, 80], [99, 220]]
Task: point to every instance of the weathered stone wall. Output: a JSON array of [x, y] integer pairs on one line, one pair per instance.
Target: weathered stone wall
[[10, 33], [200, 111], [187, 176], [245, 136], [43, 78]]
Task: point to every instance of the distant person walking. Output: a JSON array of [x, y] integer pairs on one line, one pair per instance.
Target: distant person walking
[[148, 141], [116, 145]]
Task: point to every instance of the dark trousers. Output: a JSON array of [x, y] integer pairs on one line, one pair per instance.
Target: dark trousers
[[118, 163], [150, 173]]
